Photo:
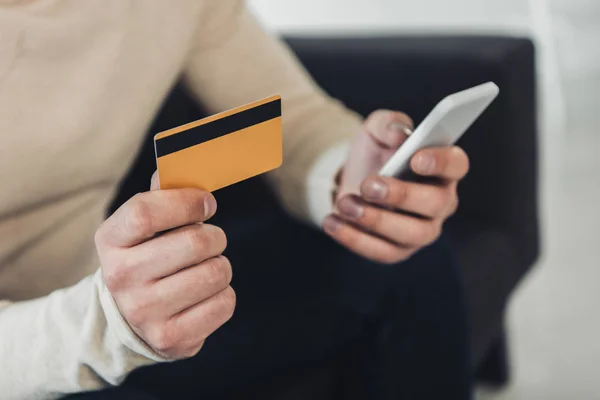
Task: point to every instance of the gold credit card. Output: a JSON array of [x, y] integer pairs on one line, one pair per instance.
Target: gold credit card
[[223, 149]]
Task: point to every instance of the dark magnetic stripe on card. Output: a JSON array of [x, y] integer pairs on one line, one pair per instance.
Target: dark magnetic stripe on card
[[216, 129]]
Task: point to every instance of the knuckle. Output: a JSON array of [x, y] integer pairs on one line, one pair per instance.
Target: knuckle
[[348, 239], [467, 165], [462, 157], [467, 162], [220, 238], [440, 202], [197, 239], [228, 301], [220, 273], [434, 233], [138, 217], [438, 231], [111, 279], [115, 277], [393, 256], [455, 205], [401, 193], [373, 218], [206, 239], [134, 311], [192, 351], [408, 253], [134, 317], [163, 339], [450, 199], [423, 233], [426, 233]]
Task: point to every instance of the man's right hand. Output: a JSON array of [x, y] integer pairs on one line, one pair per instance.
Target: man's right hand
[[173, 288]]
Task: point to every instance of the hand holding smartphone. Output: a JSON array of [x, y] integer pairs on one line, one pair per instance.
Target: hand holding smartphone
[[444, 125]]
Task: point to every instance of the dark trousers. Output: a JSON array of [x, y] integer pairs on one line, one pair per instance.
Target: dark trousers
[[305, 304]]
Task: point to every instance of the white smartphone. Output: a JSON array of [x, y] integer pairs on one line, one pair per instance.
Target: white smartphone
[[444, 125]]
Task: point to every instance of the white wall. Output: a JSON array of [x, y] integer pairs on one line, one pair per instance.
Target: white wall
[[308, 16], [576, 25]]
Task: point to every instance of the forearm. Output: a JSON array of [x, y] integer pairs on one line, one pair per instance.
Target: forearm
[[70, 341]]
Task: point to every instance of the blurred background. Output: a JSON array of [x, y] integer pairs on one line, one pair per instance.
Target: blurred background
[[552, 321]]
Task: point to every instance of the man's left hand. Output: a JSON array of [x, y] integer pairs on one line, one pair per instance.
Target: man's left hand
[[387, 219]]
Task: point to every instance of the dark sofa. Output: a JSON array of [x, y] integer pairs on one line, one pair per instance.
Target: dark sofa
[[496, 228]]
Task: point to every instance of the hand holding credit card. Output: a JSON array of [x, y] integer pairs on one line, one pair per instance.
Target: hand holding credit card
[[223, 149]]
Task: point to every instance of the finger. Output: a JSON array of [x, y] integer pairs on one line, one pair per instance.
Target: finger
[[450, 163], [362, 243], [192, 285], [404, 230], [154, 181], [198, 322], [453, 206], [389, 128], [146, 214], [430, 201], [175, 250]]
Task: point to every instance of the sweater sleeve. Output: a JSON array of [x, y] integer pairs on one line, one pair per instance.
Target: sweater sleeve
[[70, 341], [236, 62]]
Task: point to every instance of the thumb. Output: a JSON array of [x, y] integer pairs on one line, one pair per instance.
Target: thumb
[[382, 133], [388, 128], [154, 182]]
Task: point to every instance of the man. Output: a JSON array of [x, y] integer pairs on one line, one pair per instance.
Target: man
[[79, 84]]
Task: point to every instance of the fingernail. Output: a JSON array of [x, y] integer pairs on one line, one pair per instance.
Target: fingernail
[[424, 164], [400, 127], [210, 205], [375, 189], [331, 224], [349, 208], [397, 133]]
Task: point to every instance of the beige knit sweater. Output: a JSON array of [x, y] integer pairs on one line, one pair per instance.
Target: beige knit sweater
[[79, 84]]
